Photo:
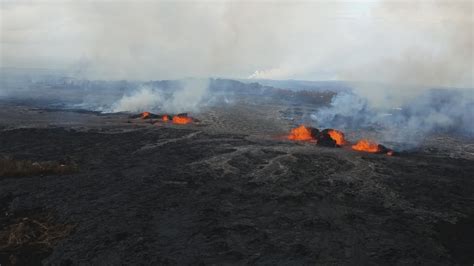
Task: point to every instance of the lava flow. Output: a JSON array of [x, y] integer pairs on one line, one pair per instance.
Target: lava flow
[[145, 115], [334, 138], [366, 145], [300, 133], [337, 136], [177, 119], [181, 119], [372, 147]]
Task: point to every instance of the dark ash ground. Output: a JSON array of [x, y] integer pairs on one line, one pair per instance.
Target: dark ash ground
[[228, 191]]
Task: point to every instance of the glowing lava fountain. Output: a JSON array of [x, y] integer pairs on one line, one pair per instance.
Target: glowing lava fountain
[[181, 120], [337, 136], [300, 133]]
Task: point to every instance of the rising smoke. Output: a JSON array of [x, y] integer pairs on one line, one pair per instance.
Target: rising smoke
[[188, 96], [392, 52], [140, 100], [434, 111], [424, 42]]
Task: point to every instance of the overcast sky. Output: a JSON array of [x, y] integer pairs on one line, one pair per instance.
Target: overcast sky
[[421, 42]]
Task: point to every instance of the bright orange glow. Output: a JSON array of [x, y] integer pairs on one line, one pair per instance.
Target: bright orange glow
[[366, 145], [337, 136], [145, 115], [181, 120], [300, 133], [165, 118]]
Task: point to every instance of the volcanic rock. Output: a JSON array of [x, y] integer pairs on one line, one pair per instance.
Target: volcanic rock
[[149, 116], [221, 194], [325, 140], [314, 132], [385, 150]]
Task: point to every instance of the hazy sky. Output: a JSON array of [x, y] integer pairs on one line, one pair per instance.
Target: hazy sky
[[420, 42]]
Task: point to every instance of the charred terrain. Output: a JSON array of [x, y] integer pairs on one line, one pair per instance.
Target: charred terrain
[[227, 189]]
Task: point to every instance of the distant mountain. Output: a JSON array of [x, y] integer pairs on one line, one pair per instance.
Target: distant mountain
[[336, 86]]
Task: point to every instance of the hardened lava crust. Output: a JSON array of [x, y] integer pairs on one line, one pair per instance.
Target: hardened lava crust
[[226, 190]]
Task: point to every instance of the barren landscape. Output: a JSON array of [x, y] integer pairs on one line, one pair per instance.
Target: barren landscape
[[236, 132], [229, 189]]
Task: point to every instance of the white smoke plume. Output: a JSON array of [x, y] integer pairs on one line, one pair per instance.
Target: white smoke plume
[[193, 95], [423, 44], [392, 51], [434, 111], [190, 96], [140, 100]]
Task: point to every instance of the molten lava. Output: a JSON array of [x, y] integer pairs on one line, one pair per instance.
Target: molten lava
[[165, 118], [337, 136], [300, 133], [145, 115], [181, 119], [366, 145]]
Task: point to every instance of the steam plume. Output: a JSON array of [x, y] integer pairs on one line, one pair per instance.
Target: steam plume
[[434, 111], [188, 97]]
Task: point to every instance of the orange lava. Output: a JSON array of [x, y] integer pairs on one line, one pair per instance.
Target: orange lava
[[181, 120], [366, 145], [300, 133], [337, 136], [165, 118], [145, 115]]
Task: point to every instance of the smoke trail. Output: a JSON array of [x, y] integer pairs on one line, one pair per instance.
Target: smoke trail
[[409, 45], [189, 96], [193, 95], [435, 111], [143, 99]]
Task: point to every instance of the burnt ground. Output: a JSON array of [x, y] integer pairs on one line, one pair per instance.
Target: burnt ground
[[229, 191]]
